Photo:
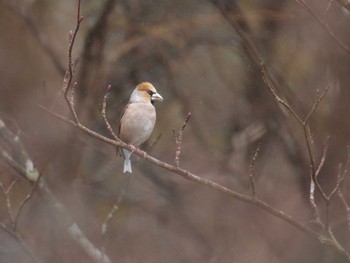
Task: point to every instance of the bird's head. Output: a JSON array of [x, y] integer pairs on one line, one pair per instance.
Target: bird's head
[[145, 92]]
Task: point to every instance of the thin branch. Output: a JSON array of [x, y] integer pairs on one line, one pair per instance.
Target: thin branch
[[339, 190], [69, 73], [252, 169], [178, 139], [25, 201], [325, 16], [319, 99], [346, 206], [323, 24], [6, 193], [104, 117], [269, 83], [323, 158]]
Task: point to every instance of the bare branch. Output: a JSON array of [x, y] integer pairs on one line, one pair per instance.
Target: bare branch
[[346, 206], [178, 139], [104, 117], [317, 219], [317, 102], [252, 168], [325, 16], [268, 81], [323, 158], [323, 24], [6, 193], [25, 201], [69, 73]]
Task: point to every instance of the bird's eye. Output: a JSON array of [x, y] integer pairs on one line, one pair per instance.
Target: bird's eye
[[150, 92]]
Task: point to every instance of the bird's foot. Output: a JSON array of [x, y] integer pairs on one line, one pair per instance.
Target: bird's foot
[[133, 148]]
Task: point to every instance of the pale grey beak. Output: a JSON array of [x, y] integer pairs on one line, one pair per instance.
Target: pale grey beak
[[156, 96]]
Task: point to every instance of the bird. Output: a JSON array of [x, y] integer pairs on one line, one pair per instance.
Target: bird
[[138, 119]]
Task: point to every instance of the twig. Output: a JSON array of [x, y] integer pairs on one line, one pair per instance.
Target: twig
[[69, 73], [6, 193], [178, 139], [25, 201], [323, 158], [346, 206], [323, 24], [327, 11], [339, 190], [319, 99], [103, 114], [252, 169]]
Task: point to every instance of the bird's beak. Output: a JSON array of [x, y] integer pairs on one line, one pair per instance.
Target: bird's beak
[[156, 96]]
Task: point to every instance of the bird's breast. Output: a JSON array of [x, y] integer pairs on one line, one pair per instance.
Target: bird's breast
[[137, 123]]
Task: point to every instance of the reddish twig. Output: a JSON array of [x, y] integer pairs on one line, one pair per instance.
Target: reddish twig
[[69, 73], [178, 139], [104, 117]]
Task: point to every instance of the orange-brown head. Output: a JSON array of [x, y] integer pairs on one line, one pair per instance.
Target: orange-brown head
[[145, 92]]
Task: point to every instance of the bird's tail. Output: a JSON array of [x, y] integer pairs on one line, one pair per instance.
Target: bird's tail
[[127, 166], [127, 161]]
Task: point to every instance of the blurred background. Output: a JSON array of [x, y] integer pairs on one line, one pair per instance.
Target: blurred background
[[193, 53]]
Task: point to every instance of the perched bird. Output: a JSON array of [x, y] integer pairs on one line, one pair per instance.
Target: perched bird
[[138, 119]]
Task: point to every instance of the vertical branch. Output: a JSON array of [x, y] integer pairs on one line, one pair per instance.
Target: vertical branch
[[327, 11], [340, 192], [104, 117], [67, 81], [178, 139], [346, 206], [251, 170]]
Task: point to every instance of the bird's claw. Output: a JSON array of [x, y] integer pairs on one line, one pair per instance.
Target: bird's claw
[[134, 148]]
